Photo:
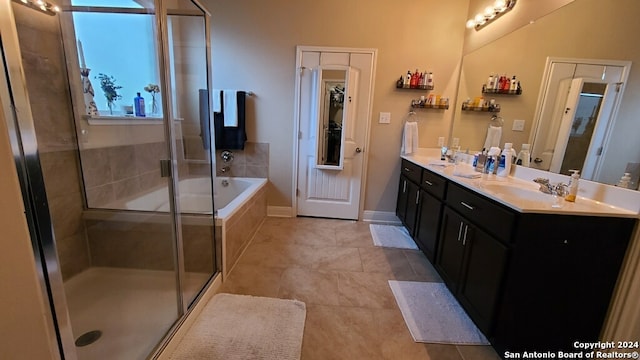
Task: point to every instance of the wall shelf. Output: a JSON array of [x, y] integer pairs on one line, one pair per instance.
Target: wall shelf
[[492, 109], [502, 92], [425, 106], [424, 88]]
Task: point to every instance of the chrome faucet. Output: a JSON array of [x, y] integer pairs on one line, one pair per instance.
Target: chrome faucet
[[546, 187]]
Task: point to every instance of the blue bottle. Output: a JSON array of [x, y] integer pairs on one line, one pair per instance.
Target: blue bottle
[[138, 105]]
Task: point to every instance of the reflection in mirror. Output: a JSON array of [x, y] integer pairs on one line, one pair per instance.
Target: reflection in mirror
[[331, 86], [524, 53], [577, 107]]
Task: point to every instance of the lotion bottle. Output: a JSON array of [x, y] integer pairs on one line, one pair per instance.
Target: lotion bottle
[[524, 157], [573, 186], [506, 158], [138, 105]]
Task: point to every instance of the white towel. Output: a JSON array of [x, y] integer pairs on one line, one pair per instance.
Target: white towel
[[494, 133], [230, 106], [410, 138], [217, 103]]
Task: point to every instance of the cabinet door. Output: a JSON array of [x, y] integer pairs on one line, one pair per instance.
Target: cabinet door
[[401, 204], [428, 224], [450, 249], [413, 198], [485, 261]]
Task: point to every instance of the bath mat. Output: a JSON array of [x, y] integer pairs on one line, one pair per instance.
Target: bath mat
[[391, 236], [245, 327], [433, 315]]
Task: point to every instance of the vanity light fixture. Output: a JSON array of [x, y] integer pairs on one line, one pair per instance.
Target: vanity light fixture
[[490, 14], [40, 5]]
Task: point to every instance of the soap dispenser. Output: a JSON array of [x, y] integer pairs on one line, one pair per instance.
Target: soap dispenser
[[625, 180], [573, 186]]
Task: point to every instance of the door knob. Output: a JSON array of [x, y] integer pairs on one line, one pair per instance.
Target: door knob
[[358, 150], [537, 160]]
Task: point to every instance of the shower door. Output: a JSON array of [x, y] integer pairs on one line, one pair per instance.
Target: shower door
[[126, 252]]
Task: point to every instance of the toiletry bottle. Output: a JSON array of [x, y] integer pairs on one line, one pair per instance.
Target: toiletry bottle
[[573, 186], [625, 180], [514, 85], [492, 160], [490, 83], [415, 77], [482, 159], [407, 80], [138, 105], [430, 81], [524, 157], [504, 165]]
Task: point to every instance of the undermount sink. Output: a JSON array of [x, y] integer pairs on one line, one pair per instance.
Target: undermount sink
[[515, 190]]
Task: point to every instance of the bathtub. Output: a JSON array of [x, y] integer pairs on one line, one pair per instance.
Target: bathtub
[[195, 194], [240, 207]]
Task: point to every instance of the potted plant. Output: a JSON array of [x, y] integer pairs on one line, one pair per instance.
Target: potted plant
[[110, 89]]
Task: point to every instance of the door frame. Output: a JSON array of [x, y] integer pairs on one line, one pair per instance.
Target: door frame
[[300, 49]]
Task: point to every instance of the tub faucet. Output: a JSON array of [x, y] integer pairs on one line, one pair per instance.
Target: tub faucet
[[224, 169]]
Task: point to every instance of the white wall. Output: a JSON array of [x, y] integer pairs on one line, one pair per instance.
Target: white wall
[[253, 46]]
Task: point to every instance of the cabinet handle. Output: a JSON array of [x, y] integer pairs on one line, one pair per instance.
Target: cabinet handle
[[428, 182], [460, 230], [466, 205], [464, 239], [404, 186], [417, 197], [407, 169]]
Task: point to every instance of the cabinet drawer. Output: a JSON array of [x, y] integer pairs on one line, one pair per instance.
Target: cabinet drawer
[[482, 212], [412, 171], [433, 184]]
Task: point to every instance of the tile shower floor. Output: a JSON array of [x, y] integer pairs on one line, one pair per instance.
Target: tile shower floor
[[132, 308], [333, 266]]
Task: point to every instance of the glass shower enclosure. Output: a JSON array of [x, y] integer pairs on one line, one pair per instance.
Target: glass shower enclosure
[[112, 131]]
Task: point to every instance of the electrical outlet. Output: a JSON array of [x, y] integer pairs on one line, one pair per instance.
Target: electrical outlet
[[441, 141], [385, 118], [518, 125]]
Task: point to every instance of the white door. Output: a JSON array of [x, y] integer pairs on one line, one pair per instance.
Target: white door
[[333, 192]]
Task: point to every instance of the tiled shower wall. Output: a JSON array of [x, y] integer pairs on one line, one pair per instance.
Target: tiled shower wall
[[48, 87], [252, 162], [118, 172]]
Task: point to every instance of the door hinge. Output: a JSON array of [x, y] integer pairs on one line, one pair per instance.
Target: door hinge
[[299, 135], [165, 168], [619, 86], [599, 151], [297, 192]]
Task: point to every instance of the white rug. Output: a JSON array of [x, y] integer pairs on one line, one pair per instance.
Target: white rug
[[391, 236], [245, 327], [433, 315]]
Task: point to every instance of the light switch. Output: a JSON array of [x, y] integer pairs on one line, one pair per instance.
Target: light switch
[[441, 141], [518, 125], [385, 118]]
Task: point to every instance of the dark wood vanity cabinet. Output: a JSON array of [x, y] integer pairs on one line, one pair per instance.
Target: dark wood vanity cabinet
[[409, 195], [432, 191], [471, 261], [530, 282]]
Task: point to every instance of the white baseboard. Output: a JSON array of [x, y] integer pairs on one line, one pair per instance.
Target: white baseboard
[[280, 211], [387, 217]]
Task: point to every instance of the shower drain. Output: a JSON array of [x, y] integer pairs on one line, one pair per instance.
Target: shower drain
[[88, 338]]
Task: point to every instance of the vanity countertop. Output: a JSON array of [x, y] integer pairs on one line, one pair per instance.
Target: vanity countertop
[[518, 194]]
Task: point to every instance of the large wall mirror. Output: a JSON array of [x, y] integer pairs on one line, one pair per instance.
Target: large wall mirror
[[333, 102], [583, 31]]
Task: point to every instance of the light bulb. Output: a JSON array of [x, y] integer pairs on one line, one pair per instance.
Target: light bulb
[[479, 19], [56, 8], [489, 12], [471, 24], [500, 5]]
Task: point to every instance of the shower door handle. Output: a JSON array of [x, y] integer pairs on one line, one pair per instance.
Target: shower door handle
[[165, 168]]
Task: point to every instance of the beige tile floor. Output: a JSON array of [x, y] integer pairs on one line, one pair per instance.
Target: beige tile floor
[[333, 266]]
